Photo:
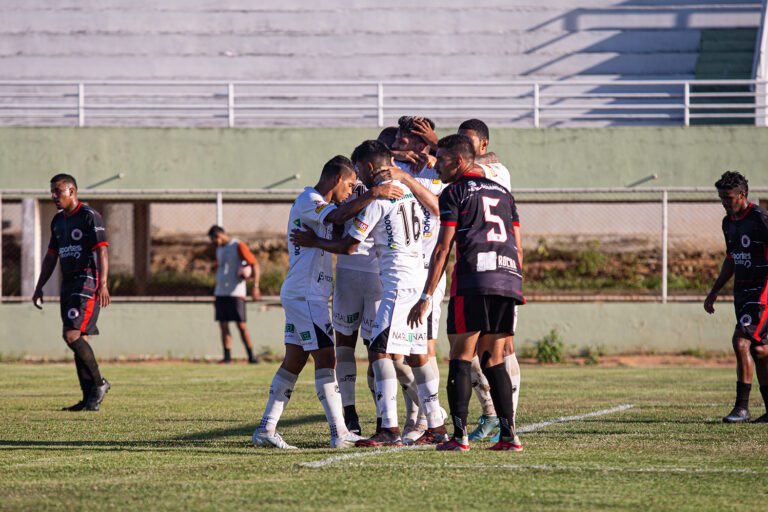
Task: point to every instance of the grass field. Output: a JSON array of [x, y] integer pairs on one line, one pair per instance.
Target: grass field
[[177, 437]]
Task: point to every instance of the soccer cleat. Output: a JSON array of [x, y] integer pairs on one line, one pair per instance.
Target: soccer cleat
[[738, 415], [348, 440], [515, 445], [383, 438], [267, 439], [453, 445], [412, 431], [485, 425], [97, 395], [79, 406], [225, 361], [762, 419], [253, 361], [433, 436]]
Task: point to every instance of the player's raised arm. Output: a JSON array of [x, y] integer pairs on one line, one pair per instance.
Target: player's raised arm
[[423, 195], [348, 210]]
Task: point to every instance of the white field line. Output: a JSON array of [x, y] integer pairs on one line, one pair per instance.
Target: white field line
[[568, 468], [521, 430]]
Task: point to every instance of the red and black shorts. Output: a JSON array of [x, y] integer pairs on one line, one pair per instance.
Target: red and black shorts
[[229, 309], [752, 321], [489, 314], [80, 312]]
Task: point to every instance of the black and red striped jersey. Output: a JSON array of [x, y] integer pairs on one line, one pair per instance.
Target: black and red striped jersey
[[746, 242], [74, 238], [484, 214]]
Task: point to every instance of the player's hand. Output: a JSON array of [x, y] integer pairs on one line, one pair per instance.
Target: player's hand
[[488, 158], [417, 312], [303, 238], [255, 292], [423, 130], [103, 294], [709, 302], [387, 191], [417, 161], [389, 173], [37, 298]]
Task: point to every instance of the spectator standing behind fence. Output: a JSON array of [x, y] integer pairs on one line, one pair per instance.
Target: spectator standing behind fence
[[235, 263]]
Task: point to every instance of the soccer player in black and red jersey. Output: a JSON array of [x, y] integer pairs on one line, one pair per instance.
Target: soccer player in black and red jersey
[[79, 241], [746, 239], [476, 214]]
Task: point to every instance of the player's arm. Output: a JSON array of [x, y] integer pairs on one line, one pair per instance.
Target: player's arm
[[726, 272], [488, 158], [337, 245], [245, 254], [48, 266], [518, 244], [103, 292], [423, 195], [436, 268], [425, 131], [348, 210]]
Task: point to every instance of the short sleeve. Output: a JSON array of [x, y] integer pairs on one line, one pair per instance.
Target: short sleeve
[[314, 209], [53, 244], [449, 202], [98, 233], [245, 253], [363, 223]]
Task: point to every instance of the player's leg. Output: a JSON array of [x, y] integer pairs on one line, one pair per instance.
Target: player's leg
[[372, 388], [226, 342], [412, 428], [245, 336], [84, 377], [759, 353], [346, 368], [744, 369], [491, 352], [488, 419], [427, 384], [459, 385], [327, 390]]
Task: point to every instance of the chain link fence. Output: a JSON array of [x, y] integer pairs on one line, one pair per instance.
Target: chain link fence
[[579, 244]]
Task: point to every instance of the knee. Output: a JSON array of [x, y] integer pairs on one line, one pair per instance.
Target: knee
[[71, 336], [758, 351], [741, 345]]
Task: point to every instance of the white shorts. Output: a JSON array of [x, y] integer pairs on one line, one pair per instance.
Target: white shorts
[[307, 324], [356, 298], [433, 316], [391, 333]]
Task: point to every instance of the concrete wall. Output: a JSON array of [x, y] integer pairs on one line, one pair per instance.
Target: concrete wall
[[254, 158], [188, 330]]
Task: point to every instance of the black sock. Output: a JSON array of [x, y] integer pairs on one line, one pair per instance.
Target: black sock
[[459, 389], [83, 350], [227, 354], [84, 376], [764, 392], [249, 351], [501, 394], [742, 394]]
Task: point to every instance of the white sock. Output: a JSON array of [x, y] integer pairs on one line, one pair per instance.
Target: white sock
[[410, 393], [513, 370], [346, 371], [328, 394], [435, 368], [482, 388], [279, 394], [386, 391], [372, 389], [428, 388]]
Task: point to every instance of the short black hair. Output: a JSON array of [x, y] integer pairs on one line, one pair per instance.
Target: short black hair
[[408, 123], [459, 144], [372, 151], [337, 165], [733, 180], [477, 126], [388, 136], [215, 230], [66, 178]]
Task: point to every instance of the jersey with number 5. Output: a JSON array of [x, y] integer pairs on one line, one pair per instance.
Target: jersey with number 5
[[396, 226], [484, 214]]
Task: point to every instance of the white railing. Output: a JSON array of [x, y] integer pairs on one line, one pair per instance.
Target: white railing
[[274, 103]]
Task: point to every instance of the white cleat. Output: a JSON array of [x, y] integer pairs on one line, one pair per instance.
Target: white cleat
[[348, 440], [412, 432], [273, 440]]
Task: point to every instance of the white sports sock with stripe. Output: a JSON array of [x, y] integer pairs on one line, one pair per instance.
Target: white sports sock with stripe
[[428, 388], [279, 393], [328, 394], [346, 372], [386, 391]]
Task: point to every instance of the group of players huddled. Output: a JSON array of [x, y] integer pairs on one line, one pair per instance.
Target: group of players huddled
[[379, 211]]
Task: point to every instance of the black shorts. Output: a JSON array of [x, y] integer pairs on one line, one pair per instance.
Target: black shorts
[[752, 321], [80, 313], [489, 314], [229, 309]]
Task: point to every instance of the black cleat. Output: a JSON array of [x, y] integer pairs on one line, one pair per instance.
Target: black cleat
[[738, 415], [97, 395], [79, 406], [351, 419], [762, 419]]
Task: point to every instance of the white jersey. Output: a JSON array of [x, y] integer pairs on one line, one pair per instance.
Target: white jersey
[[310, 270], [498, 173], [364, 257], [396, 226]]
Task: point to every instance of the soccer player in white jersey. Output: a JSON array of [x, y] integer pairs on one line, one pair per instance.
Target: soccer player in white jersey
[[304, 296], [488, 164], [396, 227]]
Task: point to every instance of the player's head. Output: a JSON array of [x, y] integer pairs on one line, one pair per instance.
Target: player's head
[[64, 191], [477, 131], [369, 156], [339, 175], [387, 136], [455, 156], [733, 188], [407, 137], [217, 235]]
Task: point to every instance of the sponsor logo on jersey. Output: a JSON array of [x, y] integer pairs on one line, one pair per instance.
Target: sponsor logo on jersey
[[742, 258], [320, 208], [486, 261], [360, 225], [745, 320], [390, 233], [406, 196], [507, 262], [70, 251], [745, 241], [353, 318], [297, 222], [427, 232], [77, 234], [290, 328], [322, 276], [305, 336], [436, 181], [73, 313]]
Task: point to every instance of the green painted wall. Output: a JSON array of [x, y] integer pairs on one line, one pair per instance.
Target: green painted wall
[[254, 158], [188, 330]]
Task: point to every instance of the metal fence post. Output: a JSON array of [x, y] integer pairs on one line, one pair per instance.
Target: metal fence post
[[231, 104], [81, 105], [219, 209], [686, 104], [1, 247], [664, 244], [536, 105], [380, 104]]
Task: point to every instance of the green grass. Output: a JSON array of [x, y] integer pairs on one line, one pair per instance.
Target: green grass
[[177, 437]]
